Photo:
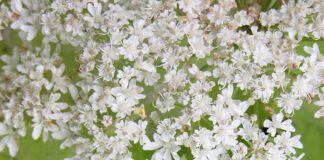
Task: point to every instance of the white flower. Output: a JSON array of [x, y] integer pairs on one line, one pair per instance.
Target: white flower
[[129, 48], [204, 138], [11, 62], [100, 97], [244, 79], [264, 88], [195, 65], [319, 113], [9, 139], [95, 10], [140, 134], [149, 73], [301, 87], [240, 151], [262, 55], [199, 46], [166, 148], [30, 30], [191, 7], [275, 152], [289, 102], [249, 130], [200, 105], [106, 71], [122, 106], [235, 105], [288, 143], [278, 123], [226, 133], [141, 31], [320, 102], [218, 15], [242, 19], [226, 36], [279, 77], [59, 81], [176, 79], [42, 123], [107, 120], [165, 102], [313, 67], [73, 25], [130, 92], [317, 26], [126, 75], [208, 153], [269, 18], [224, 73]]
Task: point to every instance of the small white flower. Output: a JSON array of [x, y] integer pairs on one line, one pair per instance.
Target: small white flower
[[278, 123], [96, 17], [199, 46], [320, 103], [165, 102], [289, 143], [269, 18], [130, 92], [264, 88], [226, 133], [224, 73], [200, 105], [59, 81], [130, 48], [166, 148], [9, 139], [204, 138], [122, 106], [289, 103], [302, 87], [106, 71], [262, 55]]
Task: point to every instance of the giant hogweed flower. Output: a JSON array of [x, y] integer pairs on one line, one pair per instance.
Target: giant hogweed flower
[[173, 79]]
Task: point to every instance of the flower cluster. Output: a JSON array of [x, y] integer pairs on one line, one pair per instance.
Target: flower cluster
[[164, 76]]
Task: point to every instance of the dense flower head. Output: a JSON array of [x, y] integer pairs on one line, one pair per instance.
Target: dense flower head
[[163, 75]]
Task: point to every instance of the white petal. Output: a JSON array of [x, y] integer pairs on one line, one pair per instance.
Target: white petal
[[267, 123], [2, 145], [149, 67], [16, 5], [229, 91], [54, 97], [60, 106], [12, 146], [152, 145], [3, 129], [286, 125], [30, 30], [37, 131], [91, 9], [296, 142], [6, 59], [61, 134], [74, 92], [319, 113]]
